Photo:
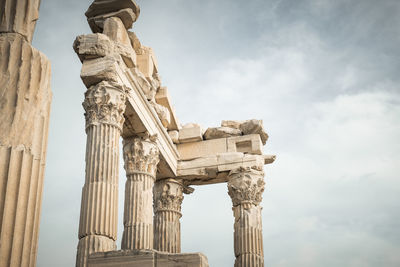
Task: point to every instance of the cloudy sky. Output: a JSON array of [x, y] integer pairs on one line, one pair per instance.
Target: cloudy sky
[[323, 76]]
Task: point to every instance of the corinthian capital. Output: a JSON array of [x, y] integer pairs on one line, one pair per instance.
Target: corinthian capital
[[105, 104], [141, 155], [168, 195], [245, 186]]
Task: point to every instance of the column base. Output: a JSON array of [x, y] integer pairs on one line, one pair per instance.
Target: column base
[[146, 258]]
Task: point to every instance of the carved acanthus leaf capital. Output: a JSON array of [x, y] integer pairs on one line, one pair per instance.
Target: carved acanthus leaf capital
[[105, 104], [141, 154], [245, 186], [168, 195]]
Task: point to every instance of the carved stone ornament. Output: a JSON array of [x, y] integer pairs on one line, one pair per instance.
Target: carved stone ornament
[[105, 104], [141, 155], [245, 186], [168, 195]]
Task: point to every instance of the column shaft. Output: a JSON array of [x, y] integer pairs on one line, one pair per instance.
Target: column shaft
[[25, 99], [138, 218], [141, 156], [245, 187], [104, 105]]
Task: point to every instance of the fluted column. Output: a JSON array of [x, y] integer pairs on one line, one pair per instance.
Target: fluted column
[[25, 99], [141, 156], [245, 187], [168, 196], [104, 105]]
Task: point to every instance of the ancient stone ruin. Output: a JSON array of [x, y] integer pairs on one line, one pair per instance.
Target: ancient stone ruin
[[162, 159]]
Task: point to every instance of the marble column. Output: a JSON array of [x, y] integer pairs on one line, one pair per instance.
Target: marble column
[[104, 105], [168, 196], [25, 99], [245, 187], [141, 156]]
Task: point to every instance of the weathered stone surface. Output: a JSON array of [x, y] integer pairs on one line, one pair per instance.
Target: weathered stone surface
[[168, 197], [254, 127], [135, 42], [100, 69], [115, 30], [147, 258], [126, 10], [245, 187], [125, 15], [220, 132], [231, 124], [190, 132], [250, 143], [104, 107], [147, 62], [141, 156], [174, 136], [91, 46], [215, 169], [268, 159], [163, 114], [247, 144], [19, 16], [25, 99], [162, 97]]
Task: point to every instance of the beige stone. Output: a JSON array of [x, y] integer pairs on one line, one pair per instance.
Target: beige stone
[[100, 69], [221, 132], [254, 127], [19, 16], [126, 10], [162, 97], [190, 133], [91, 46], [115, 30], [231, 124], [141, 156], [147, 62], [24, 119], [174, 136], [168, 197], [245, 187], [247, 144], [163, 114], [147, 258], [104, 107], [126, 15]]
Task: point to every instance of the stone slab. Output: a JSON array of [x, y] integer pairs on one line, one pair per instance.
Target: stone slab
[[247, 144], [163, 98], [215, 169], [146, 258], [193, 133]]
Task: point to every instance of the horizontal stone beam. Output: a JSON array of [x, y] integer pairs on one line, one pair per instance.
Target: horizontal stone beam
[[247, 144], [215, 169]]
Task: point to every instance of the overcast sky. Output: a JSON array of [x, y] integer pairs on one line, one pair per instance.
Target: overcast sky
[[322, 75]]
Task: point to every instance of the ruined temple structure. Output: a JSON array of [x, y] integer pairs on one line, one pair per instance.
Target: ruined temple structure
[[162, 159], [25, 99]]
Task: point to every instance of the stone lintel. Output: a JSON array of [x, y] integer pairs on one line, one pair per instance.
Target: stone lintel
[[215, 169], [146, 258], [163, 98], [246, 144]]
